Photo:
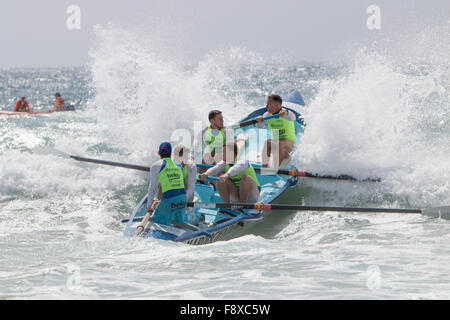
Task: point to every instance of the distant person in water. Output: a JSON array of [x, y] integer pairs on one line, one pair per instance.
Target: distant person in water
[[59, 103], [22, 105]]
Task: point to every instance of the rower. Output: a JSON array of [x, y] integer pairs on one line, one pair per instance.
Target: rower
[[282, 130], [167, 175], [181, 155], [237, 183], [59, 103], [22, 105], [213, 137]]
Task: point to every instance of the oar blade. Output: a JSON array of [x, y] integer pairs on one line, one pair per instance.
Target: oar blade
[[438, 212]]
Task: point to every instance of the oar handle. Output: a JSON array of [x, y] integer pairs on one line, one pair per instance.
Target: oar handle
[[209, 178]]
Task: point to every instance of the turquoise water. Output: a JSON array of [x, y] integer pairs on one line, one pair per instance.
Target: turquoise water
[[379, 116]]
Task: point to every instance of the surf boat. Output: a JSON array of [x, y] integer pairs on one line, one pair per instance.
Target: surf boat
[[12, 113], [207, 223]]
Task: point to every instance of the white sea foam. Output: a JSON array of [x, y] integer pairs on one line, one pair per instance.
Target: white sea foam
[[384, 118]]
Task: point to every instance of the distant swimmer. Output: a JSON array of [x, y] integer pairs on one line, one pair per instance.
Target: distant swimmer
[[22, 105], [59, 103], [282, 129]]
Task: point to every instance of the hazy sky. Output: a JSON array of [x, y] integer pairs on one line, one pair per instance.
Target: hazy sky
[[34, 33]]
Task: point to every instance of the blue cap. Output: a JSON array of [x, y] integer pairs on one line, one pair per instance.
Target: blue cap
[[165, 148]]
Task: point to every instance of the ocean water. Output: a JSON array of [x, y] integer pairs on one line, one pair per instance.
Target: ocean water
[[381, 115]]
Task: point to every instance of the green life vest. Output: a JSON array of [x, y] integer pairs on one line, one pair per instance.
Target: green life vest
[[170, 177], [237, 178], [212, 143], [286, 128]]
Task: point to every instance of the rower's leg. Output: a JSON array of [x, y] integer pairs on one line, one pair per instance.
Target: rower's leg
[[226, 189], [285, 149], [266, 153], [248, 189], [208, 158]]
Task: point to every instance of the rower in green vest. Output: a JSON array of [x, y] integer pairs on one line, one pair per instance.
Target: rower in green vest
[[213, 138], [282, 130], [238, 183], [166, 175]]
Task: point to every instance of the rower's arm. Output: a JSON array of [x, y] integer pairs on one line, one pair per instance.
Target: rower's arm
[[289, 116], [192, 179], [142, 225], [262, 123], [154, 182], [16, 108], [216, 170], [199, 144], [238, 167]]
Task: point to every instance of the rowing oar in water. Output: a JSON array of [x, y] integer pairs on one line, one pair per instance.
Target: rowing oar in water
[[293, 172], [300, 173], [436, 212]]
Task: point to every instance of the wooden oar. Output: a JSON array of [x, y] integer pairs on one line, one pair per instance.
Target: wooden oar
[[435, 212]]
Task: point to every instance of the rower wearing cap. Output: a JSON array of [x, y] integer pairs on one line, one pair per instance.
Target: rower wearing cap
[[167, 175], [22, 105], [282, 130], [238, 183], [181, 155]]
